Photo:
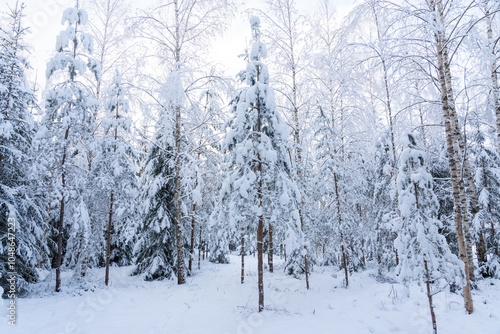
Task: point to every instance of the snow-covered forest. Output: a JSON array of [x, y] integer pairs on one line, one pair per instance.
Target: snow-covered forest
[[346, 179]]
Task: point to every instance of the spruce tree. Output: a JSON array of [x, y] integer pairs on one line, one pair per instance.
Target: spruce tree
[[486, 222], [156, 249], [424, 253], [18, 196], [63, 139], [258, 186], [116, 172], [383, 204]]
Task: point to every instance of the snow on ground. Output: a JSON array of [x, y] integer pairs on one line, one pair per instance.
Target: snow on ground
[[214, 301]]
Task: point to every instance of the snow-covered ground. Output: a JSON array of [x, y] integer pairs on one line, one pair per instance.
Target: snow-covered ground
[[214, 301]]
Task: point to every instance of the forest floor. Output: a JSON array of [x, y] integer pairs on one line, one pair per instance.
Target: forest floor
[[214, 301]]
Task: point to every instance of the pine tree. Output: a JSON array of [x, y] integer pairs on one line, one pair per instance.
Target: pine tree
[[258, 184], [423, 251], [18, 196], [63, 138]]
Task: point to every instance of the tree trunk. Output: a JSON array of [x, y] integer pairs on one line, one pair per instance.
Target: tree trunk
[[306, 257], [297, 130], [181, 279], [344, 263], [242, 255], [60, 224], [496, 96], [459, 149], [191, 251], [495, 242], [260, 228], [108, 240], [270, 254], [199, 248], [111, 202], [429, 297], [339, 217], [493, 69], [453, 164], [389, 111]]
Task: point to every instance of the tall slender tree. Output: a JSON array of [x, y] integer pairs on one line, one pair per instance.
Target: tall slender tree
[[258, 181], [65, 128], [18, 195], [158, 245], [424, 253], [116, 172]]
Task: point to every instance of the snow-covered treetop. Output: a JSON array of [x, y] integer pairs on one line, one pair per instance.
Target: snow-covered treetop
[[117, 98], [81, 45], [258, 49], [74, 15], [255, 22]]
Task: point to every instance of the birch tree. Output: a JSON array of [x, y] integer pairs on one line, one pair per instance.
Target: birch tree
[[179, 29]]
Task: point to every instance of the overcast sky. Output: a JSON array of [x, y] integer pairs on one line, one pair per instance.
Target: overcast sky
[[44, 19]]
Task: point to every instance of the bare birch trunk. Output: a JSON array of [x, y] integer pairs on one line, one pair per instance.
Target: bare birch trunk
[[493, 69], [459, 147], [260, 228], [454, 168], [181, 277], [178, 232]]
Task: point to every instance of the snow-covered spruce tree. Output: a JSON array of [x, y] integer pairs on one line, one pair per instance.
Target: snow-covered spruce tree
[[383, 207], [116, 174], [156, 249], [18, 198], [63, 137], [423, 252], [486, 221], [208, 168], [258, 185], [340, 188]]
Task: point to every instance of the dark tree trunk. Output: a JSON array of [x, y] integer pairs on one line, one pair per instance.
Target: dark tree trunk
[[270, 254], [429, 296], [60, 225], [242, 255], [191, 251], [260, 228], [199, 248], [260, 261], [110, 220], [108, 240]]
